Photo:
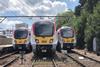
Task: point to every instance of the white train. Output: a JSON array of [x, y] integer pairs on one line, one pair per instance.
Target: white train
[[21, 38], [66, 38], [44, 37]]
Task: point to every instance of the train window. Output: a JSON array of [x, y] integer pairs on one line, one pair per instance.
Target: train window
[[44, 29], [67, 33], [19, 34]]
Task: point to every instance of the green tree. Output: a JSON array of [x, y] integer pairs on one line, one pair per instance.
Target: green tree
[[93, 26], [85, 20], [66, 19]]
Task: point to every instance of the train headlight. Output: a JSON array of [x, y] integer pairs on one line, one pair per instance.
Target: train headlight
[[72, 40], [25, 41], [36, 40], [51, 40]]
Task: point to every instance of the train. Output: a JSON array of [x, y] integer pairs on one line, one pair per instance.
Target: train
[[66, 38], [44, 37], [21, 39]]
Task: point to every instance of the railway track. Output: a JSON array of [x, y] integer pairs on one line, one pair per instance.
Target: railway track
[[86, 57], [51, 62], [54, 61], [10, 62], [8, 59], [26, 61], [83, 61], [68, 61], [60, 60], [44, 63], [7, 55], [57, 61], [76, 61]]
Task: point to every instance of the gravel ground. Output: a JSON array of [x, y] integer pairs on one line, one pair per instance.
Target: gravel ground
[[60, 59], [87, 62], [43, 63], [26, 63], [6, 60], [67, 62], [49, 63], [91, 55]]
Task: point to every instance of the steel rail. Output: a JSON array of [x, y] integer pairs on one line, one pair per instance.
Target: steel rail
[[75, 60], [54, 63], [7, 64], [34, 61], [87, 57], [5, 56]]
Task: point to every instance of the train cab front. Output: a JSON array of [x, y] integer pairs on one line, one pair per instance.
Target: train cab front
[[68, 43], [44, 37], [44, 44], [20, 39], [68, 38]]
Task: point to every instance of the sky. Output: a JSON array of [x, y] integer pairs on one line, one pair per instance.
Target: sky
[[32, 8]]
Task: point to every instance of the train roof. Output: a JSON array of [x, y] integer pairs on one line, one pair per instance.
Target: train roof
[[22, 28], [44, 21], [63, 27]]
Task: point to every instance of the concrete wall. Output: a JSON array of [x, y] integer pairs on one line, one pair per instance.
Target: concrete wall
[[4, 41]]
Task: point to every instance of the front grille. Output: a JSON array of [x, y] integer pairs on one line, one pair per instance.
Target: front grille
[[44, 41]]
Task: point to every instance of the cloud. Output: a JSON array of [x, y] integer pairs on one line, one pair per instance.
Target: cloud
[[73, 0], [33, 2], [8, 24], [3, 5], [11, 22], [34, 7], [21, 6], [29, 7], [50, 8]]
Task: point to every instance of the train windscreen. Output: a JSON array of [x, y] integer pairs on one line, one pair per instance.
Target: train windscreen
[[20, 34], [44, 29], [67, 32]]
